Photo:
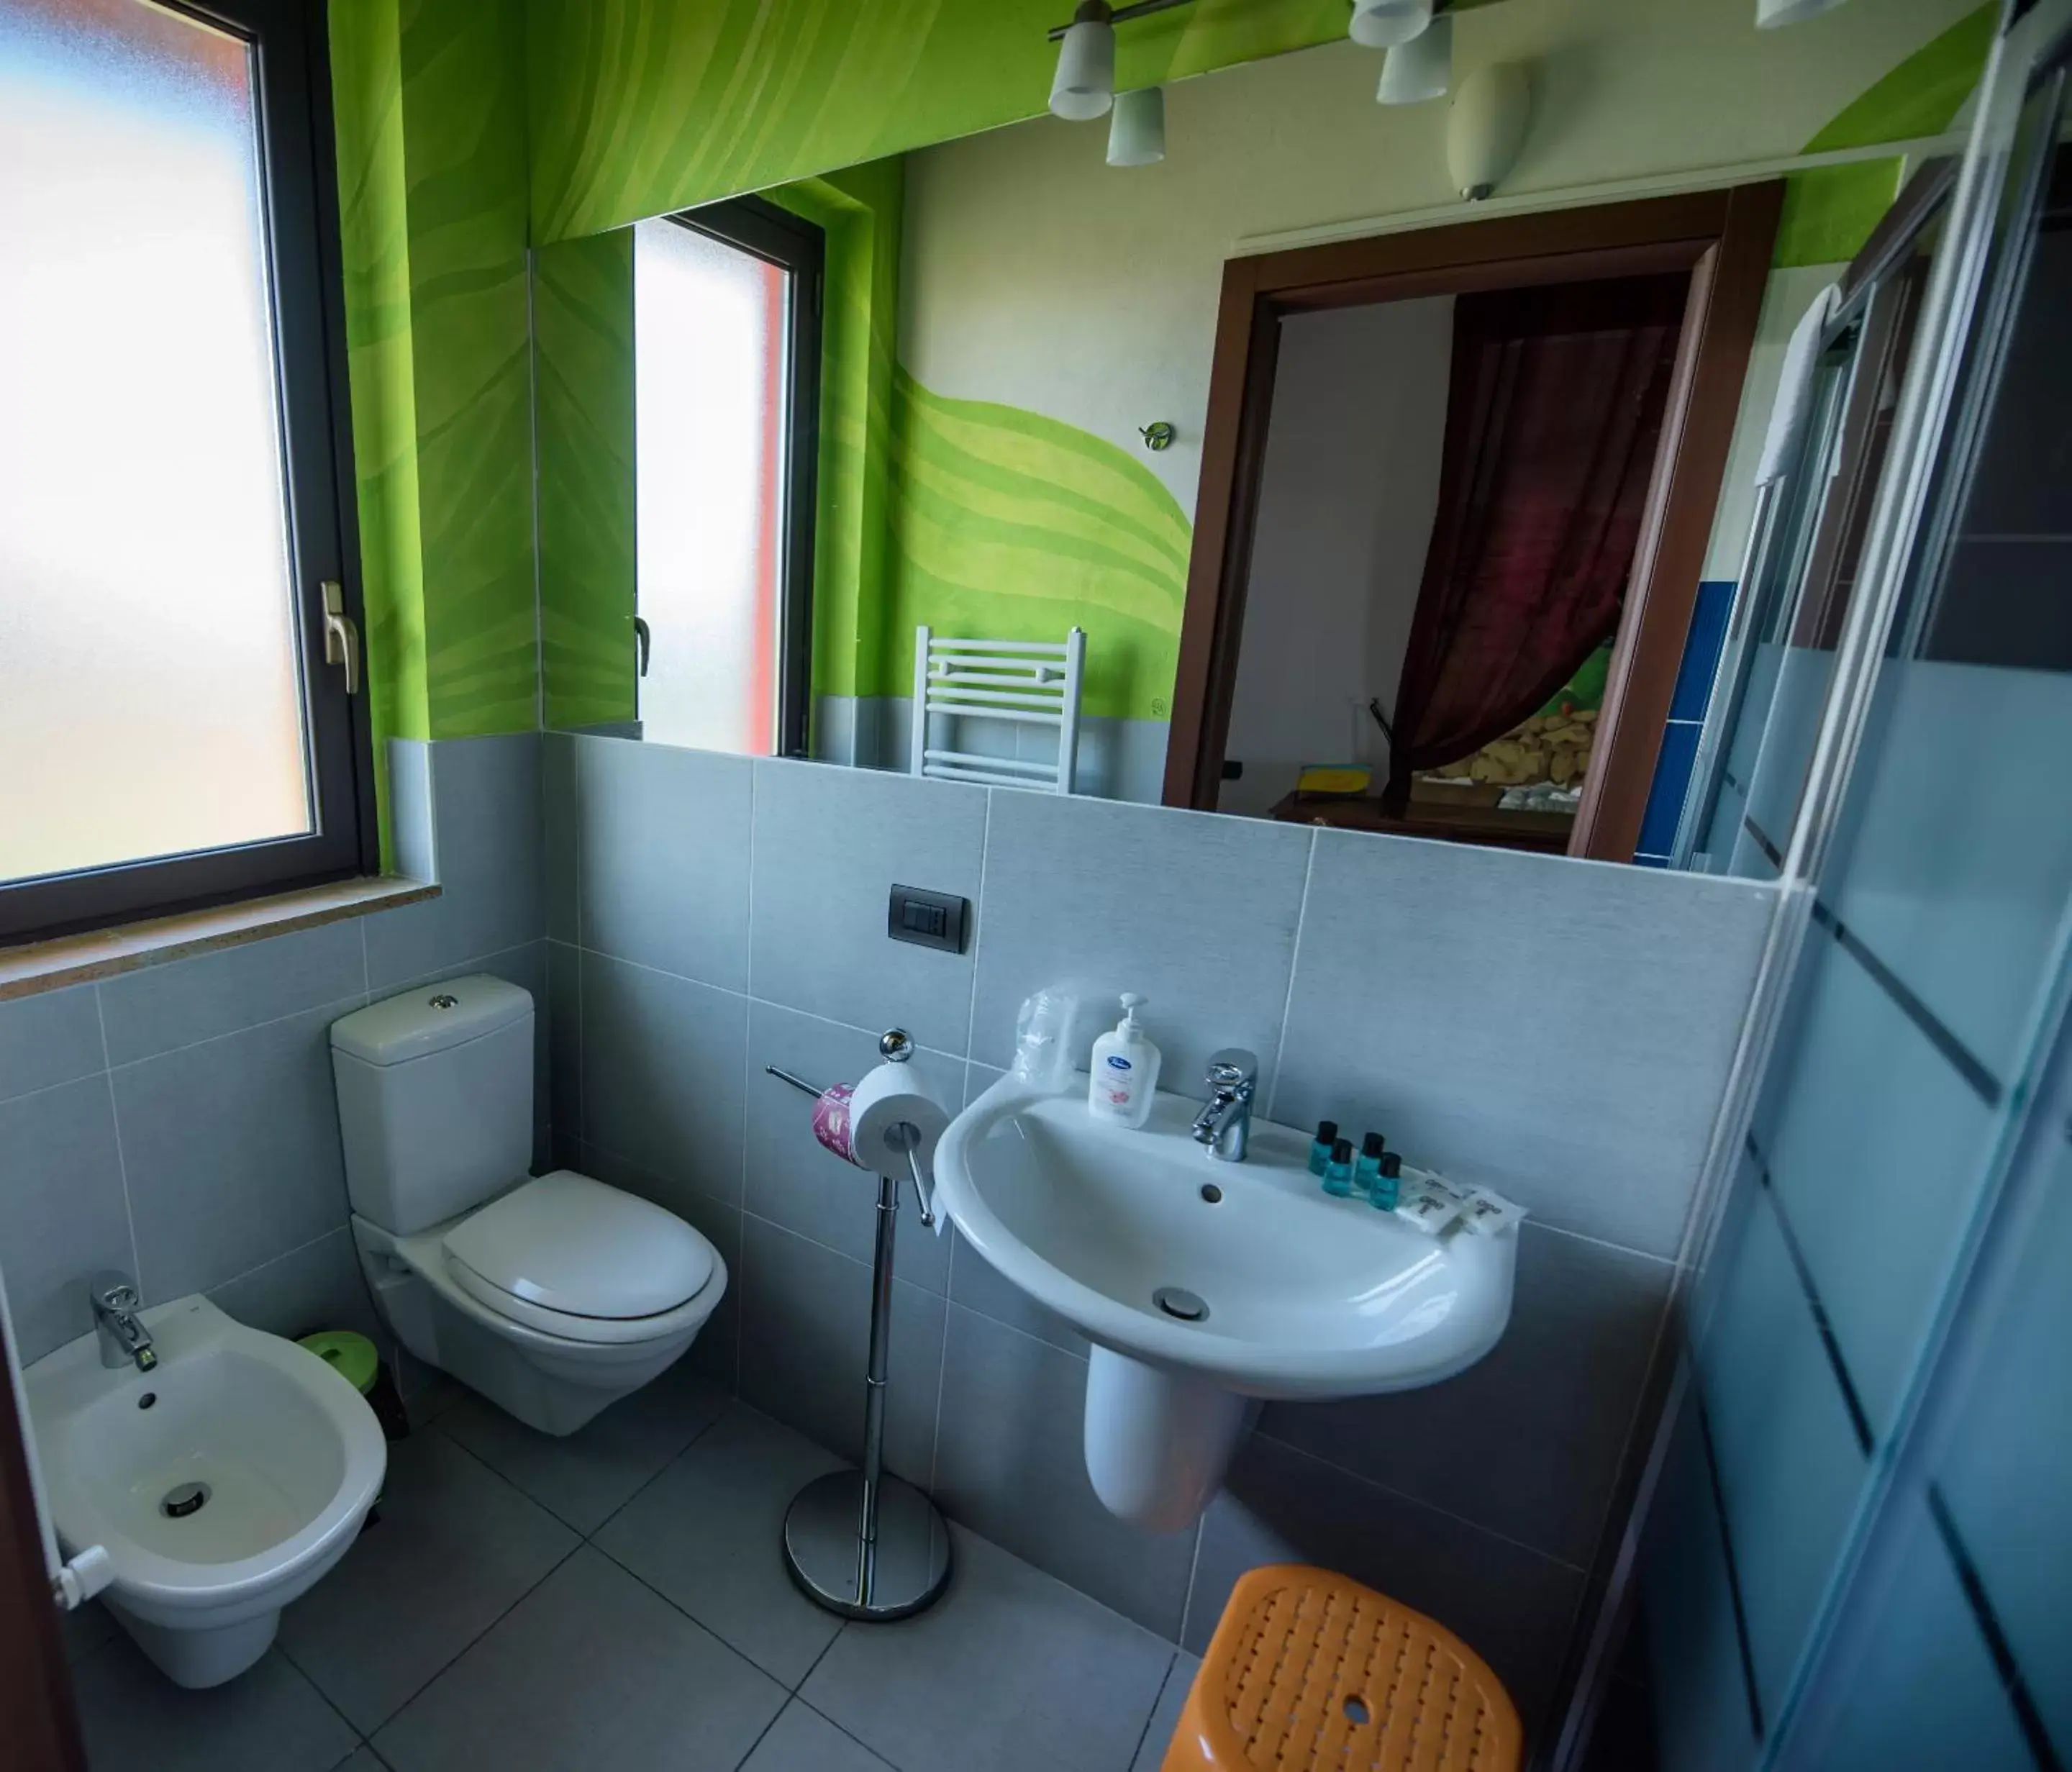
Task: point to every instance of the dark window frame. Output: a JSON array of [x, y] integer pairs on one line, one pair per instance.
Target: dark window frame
[[799, 247], [291, 71]]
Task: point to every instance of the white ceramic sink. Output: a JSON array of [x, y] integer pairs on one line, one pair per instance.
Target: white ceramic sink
[[1307, 1296]]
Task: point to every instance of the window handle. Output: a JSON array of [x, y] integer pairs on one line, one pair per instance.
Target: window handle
[[644, 643], [341, 634]]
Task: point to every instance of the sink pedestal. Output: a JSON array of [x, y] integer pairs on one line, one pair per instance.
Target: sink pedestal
[[1158, 1442]]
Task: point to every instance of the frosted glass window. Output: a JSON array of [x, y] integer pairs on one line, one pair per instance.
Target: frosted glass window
[[150, 695], [710, 390]]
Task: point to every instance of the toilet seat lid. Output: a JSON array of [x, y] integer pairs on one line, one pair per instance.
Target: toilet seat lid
[[568, 1243]]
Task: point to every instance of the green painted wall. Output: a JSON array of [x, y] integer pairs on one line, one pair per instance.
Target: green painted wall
[[432, 184], [1829, 213], [1014, 526], [582, 337], [639, 107]]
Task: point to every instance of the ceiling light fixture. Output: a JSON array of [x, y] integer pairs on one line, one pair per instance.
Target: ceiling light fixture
[[1486, 128], [1137, 131], [1084, 87], [1382, 24], [1770, 14], [1421, 67]]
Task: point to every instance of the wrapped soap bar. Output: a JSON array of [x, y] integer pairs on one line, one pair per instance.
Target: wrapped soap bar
[[1485, 1212], [1429, 1205]]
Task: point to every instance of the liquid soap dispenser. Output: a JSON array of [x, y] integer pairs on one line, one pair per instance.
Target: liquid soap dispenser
[[1125, 1071]]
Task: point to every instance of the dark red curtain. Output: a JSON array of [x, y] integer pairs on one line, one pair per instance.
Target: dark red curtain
[[1555, 407]]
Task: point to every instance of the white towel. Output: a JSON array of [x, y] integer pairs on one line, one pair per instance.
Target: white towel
[[1794, 389]]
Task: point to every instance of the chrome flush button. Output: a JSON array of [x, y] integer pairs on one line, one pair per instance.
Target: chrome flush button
[[443, 1000]]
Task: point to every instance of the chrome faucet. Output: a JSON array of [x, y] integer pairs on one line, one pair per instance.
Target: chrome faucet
[[125, 1341], [1224, 1123]]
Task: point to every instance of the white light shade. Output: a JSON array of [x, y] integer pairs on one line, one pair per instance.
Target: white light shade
[[1137, 132], [1486, 127], [1422, 68], [1382, 24], [1085, 85], [1770, 14]]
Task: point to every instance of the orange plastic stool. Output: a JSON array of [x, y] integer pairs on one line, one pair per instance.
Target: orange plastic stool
[[1308, 1669]]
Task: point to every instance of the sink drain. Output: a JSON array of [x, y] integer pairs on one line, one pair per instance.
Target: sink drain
[[189, 1498], [1178, 1302]]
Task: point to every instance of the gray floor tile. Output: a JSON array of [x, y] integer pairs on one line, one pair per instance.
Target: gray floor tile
[[456, 1547], [590, 1669], [704, 1533], [801, 1739], [269, 1719], [585, 1477], [365, 1760], [1012, 1670], [1158, 1733]]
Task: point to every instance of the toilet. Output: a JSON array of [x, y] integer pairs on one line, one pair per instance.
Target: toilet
[[553, 1295]]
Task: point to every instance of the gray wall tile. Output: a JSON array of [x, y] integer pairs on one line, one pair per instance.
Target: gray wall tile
[[1527, 1442], [975, 1285], [792, 1182], [1010, 1463], [1196, 912], [662, 858], [62, 1214], [231, 1148], [662, 1065], [318, 1286], [1559, 1030], [49, 1038], [564, 1048], [830, 844], [560, 832], [805, 1341], [485, 798], [413, 822], [160, 1007], [1513, 1607]]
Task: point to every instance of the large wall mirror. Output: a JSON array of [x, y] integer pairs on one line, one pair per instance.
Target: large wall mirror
[[999, 461]]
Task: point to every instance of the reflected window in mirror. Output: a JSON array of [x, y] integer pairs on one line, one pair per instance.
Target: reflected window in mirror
[[726, 376]]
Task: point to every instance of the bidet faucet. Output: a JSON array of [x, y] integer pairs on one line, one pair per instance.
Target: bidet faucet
[[125, 1341], [1224, 1123]]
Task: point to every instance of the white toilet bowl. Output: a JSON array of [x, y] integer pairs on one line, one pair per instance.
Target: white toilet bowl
[[553, 1301], [223, 1483], [552, 1295]]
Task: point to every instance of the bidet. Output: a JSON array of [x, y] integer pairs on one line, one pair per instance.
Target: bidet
[[222, 1482]]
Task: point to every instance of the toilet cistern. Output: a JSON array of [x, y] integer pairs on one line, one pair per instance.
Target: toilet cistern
[[1224, 1123], [123, 1339]]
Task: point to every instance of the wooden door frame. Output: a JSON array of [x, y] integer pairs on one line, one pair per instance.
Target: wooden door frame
[[37, 1719], [1723, 238]]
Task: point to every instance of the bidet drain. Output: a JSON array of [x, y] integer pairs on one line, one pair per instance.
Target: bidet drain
[[188, 1498], [1178, 1302]]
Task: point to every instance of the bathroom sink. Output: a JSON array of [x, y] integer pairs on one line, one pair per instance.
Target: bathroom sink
[[1205, 1286]]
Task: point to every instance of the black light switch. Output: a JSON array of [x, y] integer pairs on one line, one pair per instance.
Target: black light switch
[[929, 919]]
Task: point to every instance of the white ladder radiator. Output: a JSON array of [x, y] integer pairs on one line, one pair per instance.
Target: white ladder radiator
[[1027, 683]]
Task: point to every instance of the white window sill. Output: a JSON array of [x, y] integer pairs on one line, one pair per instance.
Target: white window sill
[[101, 953]]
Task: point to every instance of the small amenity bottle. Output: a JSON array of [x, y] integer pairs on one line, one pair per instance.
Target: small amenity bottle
[[1320, 1146], [1124, 1074], [1338, 1173], [1387, 1186], [1367, 1170]]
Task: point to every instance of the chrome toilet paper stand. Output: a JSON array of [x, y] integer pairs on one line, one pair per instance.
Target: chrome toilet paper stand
[[864, 1543]]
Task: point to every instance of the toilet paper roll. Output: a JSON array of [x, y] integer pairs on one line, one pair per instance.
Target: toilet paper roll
[[882, 1101]]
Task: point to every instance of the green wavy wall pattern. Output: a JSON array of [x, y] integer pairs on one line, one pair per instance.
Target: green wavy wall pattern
[[639, 107], [1829, 213], [583, 325], [1014, 526], [433, 183]]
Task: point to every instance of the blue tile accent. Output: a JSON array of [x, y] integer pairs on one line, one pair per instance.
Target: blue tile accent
[[1672, 781], [1701, 649]]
